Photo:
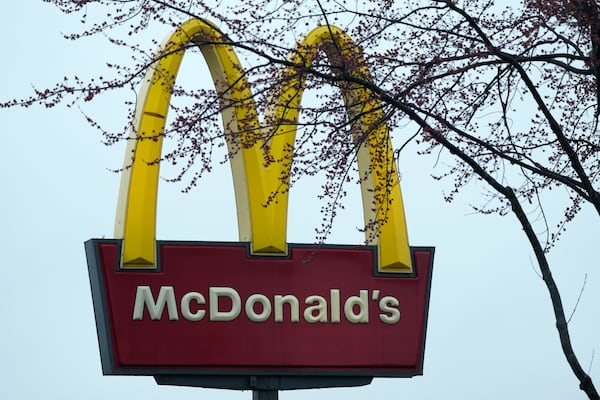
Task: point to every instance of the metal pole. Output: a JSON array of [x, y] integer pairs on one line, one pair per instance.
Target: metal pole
[[265, 395]]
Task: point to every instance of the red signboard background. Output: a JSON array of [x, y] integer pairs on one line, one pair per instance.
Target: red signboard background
[[242, 346]]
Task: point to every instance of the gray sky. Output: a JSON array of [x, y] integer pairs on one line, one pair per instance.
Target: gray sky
[[490, 335]]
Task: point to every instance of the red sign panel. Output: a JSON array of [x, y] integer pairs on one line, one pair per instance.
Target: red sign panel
[[214, 309]]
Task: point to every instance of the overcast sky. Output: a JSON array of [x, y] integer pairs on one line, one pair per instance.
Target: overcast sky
[[490, 335]]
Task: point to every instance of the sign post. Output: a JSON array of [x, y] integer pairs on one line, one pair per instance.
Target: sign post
[[260, 314]]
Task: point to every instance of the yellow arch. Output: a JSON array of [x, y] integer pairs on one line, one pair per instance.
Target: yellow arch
[[136, 208], [386, 224], [254, 182]]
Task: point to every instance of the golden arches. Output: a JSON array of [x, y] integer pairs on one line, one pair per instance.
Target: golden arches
[[255, 182]]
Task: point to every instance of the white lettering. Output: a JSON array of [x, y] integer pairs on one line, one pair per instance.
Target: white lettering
[[214, 293], [335, 305], [361, 301], [266, 308], [294, 307], [225, 304], [320, 308], [390, 314], [185, 306], [143, 297]]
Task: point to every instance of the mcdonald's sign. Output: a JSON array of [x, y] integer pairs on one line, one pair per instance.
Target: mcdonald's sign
[[229, 314]]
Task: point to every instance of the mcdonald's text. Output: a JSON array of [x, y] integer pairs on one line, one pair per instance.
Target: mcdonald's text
[[225, 304]]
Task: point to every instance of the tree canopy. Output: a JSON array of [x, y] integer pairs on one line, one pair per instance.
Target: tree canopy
[[500, 92]]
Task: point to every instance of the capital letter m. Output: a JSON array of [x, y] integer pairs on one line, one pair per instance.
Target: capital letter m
[[143, 297]]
